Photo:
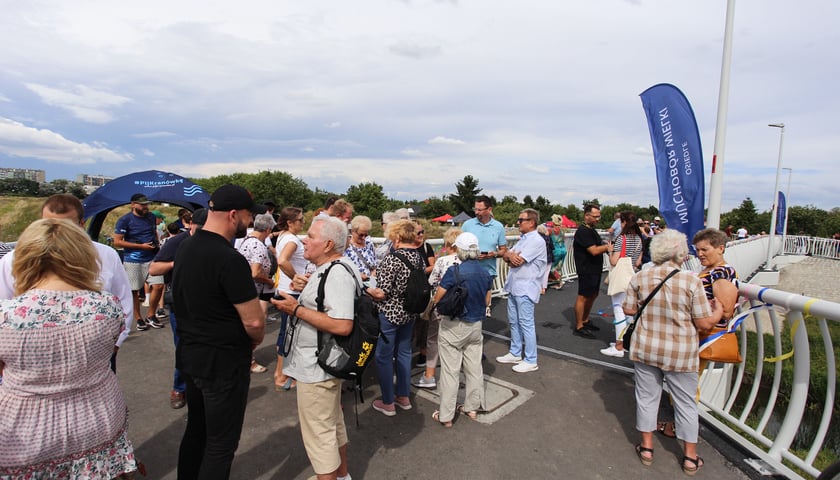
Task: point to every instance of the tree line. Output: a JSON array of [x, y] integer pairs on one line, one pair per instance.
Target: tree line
[[368, 198]]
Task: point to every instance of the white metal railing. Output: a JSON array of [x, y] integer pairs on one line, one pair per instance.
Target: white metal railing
[[817, 247], [742, 400]]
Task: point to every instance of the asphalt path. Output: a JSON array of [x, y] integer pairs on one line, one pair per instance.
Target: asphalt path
[[579, 424]]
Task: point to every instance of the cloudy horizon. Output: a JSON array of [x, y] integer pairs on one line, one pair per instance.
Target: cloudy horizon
[[534, 98]]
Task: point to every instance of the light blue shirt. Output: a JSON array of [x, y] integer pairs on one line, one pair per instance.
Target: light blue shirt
[[526, 279], [491, 236]]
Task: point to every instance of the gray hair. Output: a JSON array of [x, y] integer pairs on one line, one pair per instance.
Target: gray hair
[[360, 221], [669, 245], [264, 222], [465, 254], [390, 217], [402, 214], [333, 229]]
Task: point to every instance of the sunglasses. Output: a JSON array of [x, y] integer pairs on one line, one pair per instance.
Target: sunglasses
[[362, 235], [520, 220], [421, 232]]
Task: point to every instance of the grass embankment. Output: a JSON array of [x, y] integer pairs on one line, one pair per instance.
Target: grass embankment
[[16, 213]]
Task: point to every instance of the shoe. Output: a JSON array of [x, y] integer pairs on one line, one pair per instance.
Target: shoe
[[424, 382], [694, 465], [161, 313], [153, 322], [387, 410], [667, 428], [177, 400], [508, 358], [436, 417], [647, 461], [142, 325], [591, 326], [421, 360], [584, 332], [611, 351], [402, 402], [257, 368], [525, 367]]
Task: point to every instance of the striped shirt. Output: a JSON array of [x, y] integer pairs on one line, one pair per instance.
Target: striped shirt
[[666, 336]]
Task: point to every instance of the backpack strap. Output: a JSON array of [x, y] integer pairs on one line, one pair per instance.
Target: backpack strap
[[319, 300]]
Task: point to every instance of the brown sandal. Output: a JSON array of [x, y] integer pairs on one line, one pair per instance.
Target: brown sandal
[[646, 461], [667, 428], [696, 465], [472, 414], [436, 416]]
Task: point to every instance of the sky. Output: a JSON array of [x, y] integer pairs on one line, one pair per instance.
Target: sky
[[530, 98]]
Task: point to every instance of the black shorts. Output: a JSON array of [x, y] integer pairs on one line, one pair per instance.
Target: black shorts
[[589, 284]]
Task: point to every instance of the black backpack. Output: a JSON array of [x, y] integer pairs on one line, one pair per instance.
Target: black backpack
[[418, 290], [347, 356], [452, 302]]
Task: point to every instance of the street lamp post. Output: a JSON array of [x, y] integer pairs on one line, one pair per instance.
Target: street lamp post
[[787, 209], [769, 264]]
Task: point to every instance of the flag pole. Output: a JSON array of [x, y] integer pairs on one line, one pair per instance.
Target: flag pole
[[716, 179]]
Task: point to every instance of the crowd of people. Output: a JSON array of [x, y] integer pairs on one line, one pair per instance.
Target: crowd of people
[[218, 272]]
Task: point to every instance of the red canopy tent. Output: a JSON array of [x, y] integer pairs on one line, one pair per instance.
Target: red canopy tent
[[443, 218], [566, 223]]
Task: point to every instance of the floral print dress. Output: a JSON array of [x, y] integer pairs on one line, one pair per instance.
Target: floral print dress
[[62, 414]]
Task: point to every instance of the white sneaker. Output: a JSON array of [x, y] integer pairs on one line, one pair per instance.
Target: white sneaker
[[525, 367], [508, 358], [611, 351]]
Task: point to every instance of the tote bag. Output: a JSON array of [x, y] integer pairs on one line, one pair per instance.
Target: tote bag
[[621, 273]]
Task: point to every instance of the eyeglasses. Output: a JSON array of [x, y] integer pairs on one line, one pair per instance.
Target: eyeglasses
[[479, 210], [421, 232], [290, 335], [520, 220], [362, 235]]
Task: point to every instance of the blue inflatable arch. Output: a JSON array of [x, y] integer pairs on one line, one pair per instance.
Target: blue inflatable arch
[[157, 186]]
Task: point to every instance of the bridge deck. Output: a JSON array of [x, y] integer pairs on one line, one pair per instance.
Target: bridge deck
[[575, 418]]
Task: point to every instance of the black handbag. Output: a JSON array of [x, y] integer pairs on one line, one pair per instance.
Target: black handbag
[[453, 301], [628, 332]]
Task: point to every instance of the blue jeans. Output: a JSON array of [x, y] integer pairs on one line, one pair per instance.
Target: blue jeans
[[399, 348], [178, 383], [520, 312]]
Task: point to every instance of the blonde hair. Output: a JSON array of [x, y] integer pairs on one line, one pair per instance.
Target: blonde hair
[[450, 235], [59, 247], [404, 231]]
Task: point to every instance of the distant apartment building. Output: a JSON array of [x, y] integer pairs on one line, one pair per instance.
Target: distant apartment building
[[39, 176], [93, 180]]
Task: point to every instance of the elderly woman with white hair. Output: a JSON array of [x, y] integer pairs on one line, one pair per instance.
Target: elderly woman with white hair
[[360, 249], [254, 249], [460, 338], [665, 343]]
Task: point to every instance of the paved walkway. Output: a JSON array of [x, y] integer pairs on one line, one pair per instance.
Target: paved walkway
[[577, 422]]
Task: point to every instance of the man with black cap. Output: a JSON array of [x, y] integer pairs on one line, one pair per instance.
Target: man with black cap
[[135, 232], [220, 322]]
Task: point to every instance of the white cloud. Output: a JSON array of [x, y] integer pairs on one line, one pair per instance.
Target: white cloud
[[216, 85], [18, 140], [413, 152], [445, 141], [83, 102], [148, 152]]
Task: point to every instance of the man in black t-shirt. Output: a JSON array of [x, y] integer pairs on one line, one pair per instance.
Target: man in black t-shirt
[[220, 322], [589, 251]]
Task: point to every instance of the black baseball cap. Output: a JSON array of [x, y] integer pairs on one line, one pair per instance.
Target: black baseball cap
[[140, 198], [233, 197]]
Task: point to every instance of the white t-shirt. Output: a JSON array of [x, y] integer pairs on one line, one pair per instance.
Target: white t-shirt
[[339, 303], [297, 260]]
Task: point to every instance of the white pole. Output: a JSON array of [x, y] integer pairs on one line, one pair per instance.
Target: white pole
[[769, 265], [787, 209], [716, 178]]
